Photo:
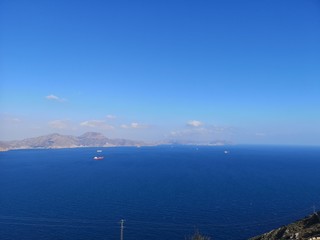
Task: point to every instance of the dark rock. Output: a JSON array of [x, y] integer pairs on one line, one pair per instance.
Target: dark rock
[[304, 229]]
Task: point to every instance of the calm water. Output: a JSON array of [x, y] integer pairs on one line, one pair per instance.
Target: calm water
[[161, 192]]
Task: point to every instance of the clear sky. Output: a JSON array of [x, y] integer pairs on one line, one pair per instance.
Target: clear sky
[[242, 71]]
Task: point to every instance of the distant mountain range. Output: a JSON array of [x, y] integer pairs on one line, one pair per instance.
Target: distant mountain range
[[89, 139]]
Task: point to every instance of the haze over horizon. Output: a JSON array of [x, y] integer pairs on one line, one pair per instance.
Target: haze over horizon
[[240, 71]]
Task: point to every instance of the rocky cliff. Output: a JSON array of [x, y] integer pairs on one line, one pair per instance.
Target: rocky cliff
[[305, 229]]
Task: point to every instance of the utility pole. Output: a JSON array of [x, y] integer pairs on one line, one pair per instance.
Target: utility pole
[[121, 229]]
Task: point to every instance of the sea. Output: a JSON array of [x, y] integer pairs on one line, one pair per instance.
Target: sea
[[161, 192]]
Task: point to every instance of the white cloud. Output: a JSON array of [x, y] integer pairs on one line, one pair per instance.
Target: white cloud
[[59, 124], [16, 120], [198, 131], [110, 116], [134, 125], [55, 98], [9, 119], [190, 132], [194, 123], [96, 124]]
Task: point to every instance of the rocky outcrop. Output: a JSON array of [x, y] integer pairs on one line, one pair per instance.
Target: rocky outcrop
[[305, 229]]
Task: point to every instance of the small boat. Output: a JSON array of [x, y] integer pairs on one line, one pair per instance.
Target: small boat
[[98, 158], [99, 151], [226, 152]]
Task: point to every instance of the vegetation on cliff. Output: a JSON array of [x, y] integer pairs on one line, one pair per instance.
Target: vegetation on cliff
[[305, 229]]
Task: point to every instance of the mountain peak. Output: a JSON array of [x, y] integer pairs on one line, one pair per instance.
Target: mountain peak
[[92, 135]]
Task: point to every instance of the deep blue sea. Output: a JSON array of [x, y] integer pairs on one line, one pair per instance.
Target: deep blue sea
[[164, 192]]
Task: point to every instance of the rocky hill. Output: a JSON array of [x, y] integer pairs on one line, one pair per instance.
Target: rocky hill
[[305, 229], [89, 139]]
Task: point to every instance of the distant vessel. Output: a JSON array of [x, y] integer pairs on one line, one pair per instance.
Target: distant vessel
[[99, 151], [226, 152], [98, 158]]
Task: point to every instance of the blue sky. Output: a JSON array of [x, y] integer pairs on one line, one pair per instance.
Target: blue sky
[[242, 71]]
